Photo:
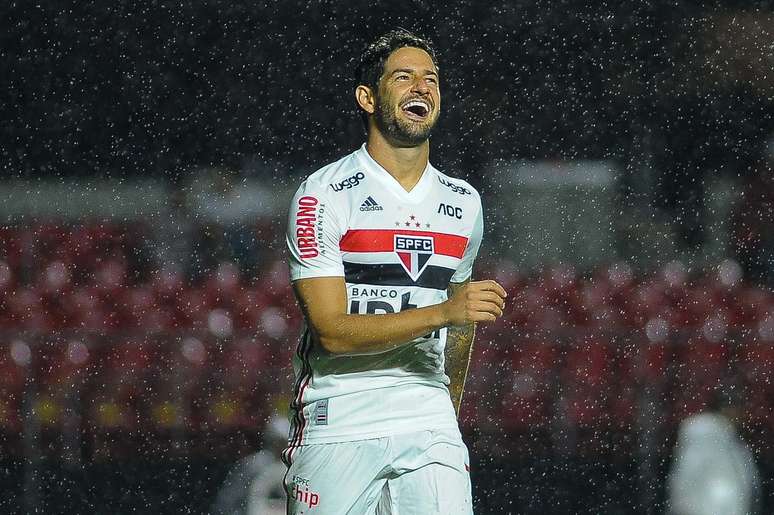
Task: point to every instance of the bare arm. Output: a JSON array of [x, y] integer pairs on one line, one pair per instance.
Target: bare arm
[[459, 347], [324, 303]]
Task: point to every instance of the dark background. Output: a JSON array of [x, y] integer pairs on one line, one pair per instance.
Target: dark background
[[156, 88]]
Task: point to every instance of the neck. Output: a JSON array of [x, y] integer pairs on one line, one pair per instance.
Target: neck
[[406, 164]]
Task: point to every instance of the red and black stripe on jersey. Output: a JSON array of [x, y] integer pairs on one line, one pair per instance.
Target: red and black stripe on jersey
[[434, 277], [364, 241]]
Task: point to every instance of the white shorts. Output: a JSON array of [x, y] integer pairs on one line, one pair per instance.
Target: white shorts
[[421, 473]]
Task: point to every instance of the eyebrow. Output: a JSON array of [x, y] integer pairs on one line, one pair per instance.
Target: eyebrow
[[409, 70]]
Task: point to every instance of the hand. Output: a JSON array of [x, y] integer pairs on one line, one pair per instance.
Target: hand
[[476, 301]]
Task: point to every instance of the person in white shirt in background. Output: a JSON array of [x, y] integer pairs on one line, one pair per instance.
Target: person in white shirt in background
[[254, 486], [713, 472]]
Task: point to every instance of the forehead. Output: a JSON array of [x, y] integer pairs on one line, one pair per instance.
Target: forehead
[[409, 58]]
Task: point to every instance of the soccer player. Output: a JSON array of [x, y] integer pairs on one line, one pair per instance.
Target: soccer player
[[381, 250]]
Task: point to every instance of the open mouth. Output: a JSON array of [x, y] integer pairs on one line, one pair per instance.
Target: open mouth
[[416, 109]]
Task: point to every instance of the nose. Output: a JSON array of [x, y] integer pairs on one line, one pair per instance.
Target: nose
[[420, 86]]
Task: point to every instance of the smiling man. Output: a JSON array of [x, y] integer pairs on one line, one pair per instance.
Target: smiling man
[[381, 251]]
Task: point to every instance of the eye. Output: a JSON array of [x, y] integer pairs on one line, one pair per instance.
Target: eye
[[432, 80], [402, 76]]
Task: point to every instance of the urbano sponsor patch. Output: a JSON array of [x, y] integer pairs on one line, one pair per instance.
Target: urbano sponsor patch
[[306, 219]]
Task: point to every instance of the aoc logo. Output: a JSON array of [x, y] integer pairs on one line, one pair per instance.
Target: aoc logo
[[450, 210], [414, 252], [306, 218], [456, 189], [349, 182]]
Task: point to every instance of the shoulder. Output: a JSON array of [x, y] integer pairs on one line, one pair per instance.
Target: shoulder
[[459, 188], [334, 177]]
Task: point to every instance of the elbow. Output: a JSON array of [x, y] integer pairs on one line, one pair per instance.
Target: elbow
[[332, 344], [330, 340]]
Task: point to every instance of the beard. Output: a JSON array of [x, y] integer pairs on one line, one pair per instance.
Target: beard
[[403, 132]]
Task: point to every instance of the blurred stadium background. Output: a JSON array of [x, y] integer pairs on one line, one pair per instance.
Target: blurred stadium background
[[148, 152]]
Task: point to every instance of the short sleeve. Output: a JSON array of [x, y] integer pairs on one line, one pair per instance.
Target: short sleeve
[[313, 234], [465, 268]]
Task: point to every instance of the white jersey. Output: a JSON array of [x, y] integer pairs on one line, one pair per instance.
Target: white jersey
[[396, 250]]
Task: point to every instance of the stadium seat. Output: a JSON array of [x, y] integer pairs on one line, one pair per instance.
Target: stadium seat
[[193, 307], [701, 365], [11, 250], [529, 391], [238, 384], [171, 358], [15, 361], [27, 311], [749, 306], [586, 379], [756, 361]]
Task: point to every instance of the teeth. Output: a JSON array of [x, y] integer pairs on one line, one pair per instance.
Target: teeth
[[417, 103]]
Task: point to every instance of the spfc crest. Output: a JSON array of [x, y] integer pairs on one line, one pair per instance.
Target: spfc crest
[[414, 252]]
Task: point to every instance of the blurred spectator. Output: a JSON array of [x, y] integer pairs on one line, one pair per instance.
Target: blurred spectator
[[176, 232], [228, 211], [255, 484], [713, 472]]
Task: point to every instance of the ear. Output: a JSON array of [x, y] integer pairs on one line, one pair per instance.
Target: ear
[[365, 99]]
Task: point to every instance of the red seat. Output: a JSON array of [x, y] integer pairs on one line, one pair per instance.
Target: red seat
[[60, 366], [489, 364], [750, 306], [168, 281], [27, 311], [7, 277], [647, 301], [695, 304], [588, 361], [591, 298], [527, 398], [249, 305], [174, 377], [139, 308], [756, 362], [644, 363], [701, 360], [700, 366], [239, 384], [223, 285], [50, 240], [11, 250], [193, 308], [111, 274], [54, 278], [115, 385], [586, 378], [15, 360]]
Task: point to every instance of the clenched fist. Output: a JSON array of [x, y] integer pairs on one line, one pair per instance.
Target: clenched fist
[[476, 301]]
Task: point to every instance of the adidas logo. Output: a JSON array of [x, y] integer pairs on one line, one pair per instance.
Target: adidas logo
[[370, 204]]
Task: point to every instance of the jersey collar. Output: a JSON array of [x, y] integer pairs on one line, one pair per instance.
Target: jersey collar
[[417, 193]]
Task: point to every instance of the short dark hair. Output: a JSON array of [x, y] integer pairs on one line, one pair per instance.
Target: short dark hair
[[371, 66]]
